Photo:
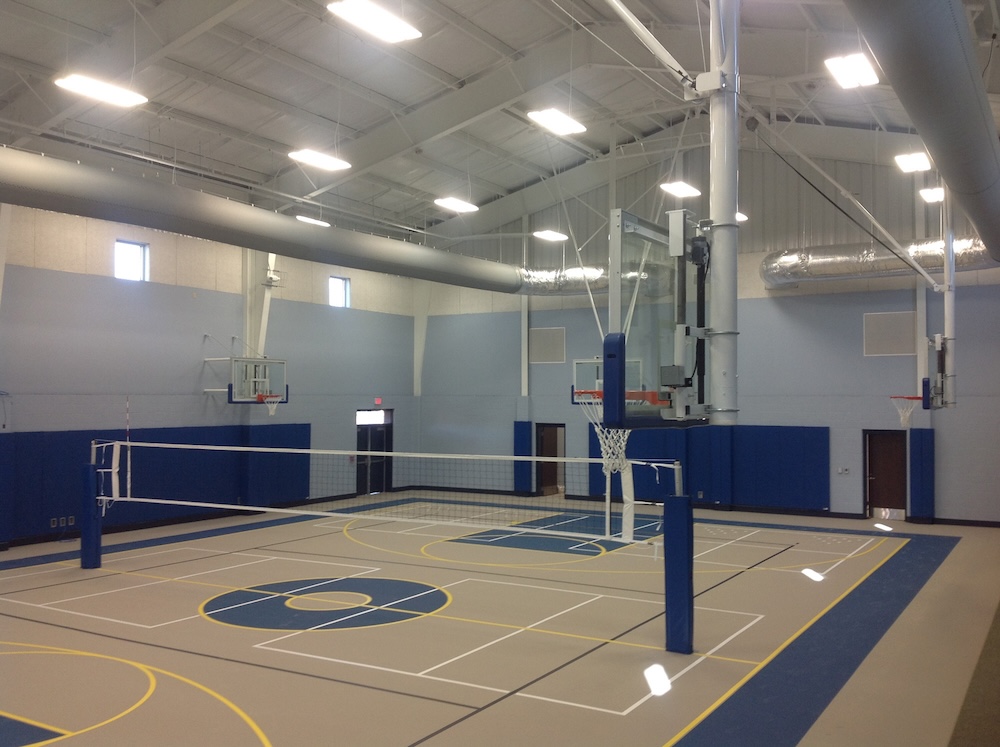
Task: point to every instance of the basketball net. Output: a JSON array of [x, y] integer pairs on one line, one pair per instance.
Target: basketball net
[[271, 400], [613, 442], [905, 407]]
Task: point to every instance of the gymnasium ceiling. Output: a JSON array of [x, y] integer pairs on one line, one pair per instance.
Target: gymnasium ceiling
[[235, 85]]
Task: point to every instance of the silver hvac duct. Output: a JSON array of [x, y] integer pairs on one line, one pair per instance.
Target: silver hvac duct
[[925, 49], [51, 184], [786, 269]]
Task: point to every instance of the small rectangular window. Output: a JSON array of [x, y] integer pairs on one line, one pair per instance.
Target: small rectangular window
[[131, 260], [340, 292]]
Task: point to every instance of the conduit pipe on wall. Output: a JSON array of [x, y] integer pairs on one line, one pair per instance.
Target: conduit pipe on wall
[[786, 269], [925, 49]]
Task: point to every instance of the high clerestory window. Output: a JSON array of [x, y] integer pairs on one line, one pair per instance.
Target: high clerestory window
[[340, 292], [131, 260]]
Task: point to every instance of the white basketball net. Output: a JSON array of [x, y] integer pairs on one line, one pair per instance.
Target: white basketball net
[[905, 407], [272, 401], [613, 440]]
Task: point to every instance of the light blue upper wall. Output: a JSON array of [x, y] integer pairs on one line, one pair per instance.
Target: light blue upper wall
[[73, 347], [339, 361], [76, 350]]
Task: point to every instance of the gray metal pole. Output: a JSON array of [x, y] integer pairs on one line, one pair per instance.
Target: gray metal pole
[[724, 168], [949, 393]]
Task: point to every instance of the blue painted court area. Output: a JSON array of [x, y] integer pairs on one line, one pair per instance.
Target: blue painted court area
[[525, 536], [14, 733], [325, 603], [781, 702]]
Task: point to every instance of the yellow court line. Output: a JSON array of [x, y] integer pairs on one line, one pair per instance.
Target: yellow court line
[[69, 652], [716, 657], [729, 693], [149, 671]]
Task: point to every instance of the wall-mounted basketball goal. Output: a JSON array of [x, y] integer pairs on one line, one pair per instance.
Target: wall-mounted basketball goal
[[255, 381], [653, 369]]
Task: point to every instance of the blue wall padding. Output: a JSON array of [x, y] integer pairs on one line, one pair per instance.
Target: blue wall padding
[[710, 465], [768, 467], [523, 446], [41, 474], [644, 444], [921, 474], [6, 470], [786, 467]]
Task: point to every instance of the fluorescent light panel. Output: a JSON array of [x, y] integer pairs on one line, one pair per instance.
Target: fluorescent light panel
[[557, 122], [374, 20], [910, 162], [312, 221], [852, 71], [319, 160], [680, 189], [455, 204], [933, 194], [549, 235], [98, 89]]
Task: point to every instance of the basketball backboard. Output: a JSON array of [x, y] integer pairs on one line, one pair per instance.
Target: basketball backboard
[[253, 380], [654, 354]]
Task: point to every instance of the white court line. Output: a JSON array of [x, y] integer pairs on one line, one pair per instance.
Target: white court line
[[510, 635], [382, 669], [724, 544], [848, 557], [673, 678], [154, 583], [267, 595], [339, 620], [658, 602]]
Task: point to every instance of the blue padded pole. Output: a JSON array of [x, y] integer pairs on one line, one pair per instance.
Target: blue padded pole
[[90, 520], [678, 575]]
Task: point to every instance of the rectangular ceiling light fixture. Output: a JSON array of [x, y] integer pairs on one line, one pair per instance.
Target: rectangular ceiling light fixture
[[101, 91], [852, 71], [549, 235], [374, 20], [557, 122], [910, 162], [456, 205], [312, 221], [319, 160], [933, 194], [680, 189]]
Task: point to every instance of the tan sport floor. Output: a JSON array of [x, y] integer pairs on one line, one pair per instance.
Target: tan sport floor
[[372, 632]]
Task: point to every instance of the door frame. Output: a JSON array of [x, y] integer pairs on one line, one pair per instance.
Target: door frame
[[902, 477], [364, 463], [558, 430]]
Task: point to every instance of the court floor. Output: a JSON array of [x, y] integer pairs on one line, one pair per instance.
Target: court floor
[[367, 631]]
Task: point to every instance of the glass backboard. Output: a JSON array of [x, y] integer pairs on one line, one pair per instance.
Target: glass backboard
[[654, 354]]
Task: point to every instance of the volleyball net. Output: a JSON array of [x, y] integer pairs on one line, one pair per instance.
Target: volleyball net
[[145, 482]]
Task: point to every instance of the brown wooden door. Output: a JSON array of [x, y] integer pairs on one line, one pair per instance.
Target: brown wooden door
[[548, 439], [885, 470]]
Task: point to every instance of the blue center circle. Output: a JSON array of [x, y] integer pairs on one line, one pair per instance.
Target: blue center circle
[[272, 606]]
